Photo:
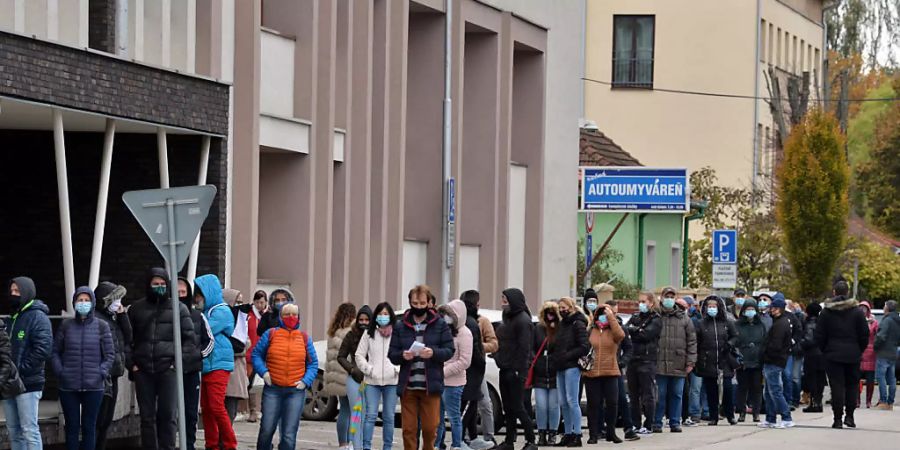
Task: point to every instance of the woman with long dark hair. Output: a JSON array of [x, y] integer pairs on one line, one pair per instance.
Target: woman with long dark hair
[[335, 375], [543, 375], [381, 375]]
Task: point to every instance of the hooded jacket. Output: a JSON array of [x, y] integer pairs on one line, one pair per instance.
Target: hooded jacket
[[372, 360], [221, 324], [644, 330], [455, 368], [10, 383], [288, 355], [436, 336], [544, 376], [31, 336], [119, 326], [715, 338], [571, 341], [515, 333], [347, 353], [488, 335], [867, 364], [193, 358], [841, 331], [83, 350], [888, 338], [151, 323], [751, 336], [812, 354], [677, 343]]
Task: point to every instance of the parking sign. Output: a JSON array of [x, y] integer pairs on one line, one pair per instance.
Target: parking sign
[[724, 246]]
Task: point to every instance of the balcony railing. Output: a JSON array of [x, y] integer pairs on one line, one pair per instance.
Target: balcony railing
[[633, 72]]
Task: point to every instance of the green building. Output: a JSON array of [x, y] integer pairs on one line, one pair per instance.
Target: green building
[[650, 244]]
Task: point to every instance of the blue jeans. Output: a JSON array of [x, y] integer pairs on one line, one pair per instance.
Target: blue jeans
[[343, 420], [885, 373], [546, 409], [81, 410], [451, 405], [671, 390], [354, 395], [697, 403], [387, 395], [787, 380], [774, 394], [796, 375], [22, 421], [568, 385], [282, 407]]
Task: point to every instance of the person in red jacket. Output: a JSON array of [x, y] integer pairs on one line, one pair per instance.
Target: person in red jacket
[[260, 307]]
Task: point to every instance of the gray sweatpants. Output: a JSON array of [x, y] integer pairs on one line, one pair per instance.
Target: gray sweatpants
[[486, 411]]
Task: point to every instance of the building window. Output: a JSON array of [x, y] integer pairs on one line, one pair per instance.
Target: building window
[[769, 53], [762, 40], [778, 48], [633, 51]]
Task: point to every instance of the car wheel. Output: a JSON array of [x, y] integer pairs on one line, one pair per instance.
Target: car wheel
[[319, 407], [497, 408]]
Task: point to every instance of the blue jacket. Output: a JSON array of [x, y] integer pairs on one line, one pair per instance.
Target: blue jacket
[[262, 348], [436, 336], [31, 336], [221, 324], [79, 362]]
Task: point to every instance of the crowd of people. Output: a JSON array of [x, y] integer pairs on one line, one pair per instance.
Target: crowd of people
[[677, 362]]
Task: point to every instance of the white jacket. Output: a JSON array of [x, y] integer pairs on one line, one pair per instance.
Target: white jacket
[[372, 359]]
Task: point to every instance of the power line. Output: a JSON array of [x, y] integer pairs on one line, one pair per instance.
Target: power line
[[740, 96]]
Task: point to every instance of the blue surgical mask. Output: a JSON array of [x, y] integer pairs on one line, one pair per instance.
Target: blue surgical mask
[[692, 309], [382, 320], [750, 313], [739, 301], [603, 319], [642, 307], [591, 306], [763, 304], [668, 303], [713, 312], [83, 308]]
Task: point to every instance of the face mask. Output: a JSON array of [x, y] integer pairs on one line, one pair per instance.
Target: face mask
[[15, 301], [642, 307], [279, 305], [750, 313], [291, 322], [160, 291], [449, 320], [362, 326], [565, 314], [763, 304], [713, 312], [602, 320], [505, 308], [739, 301], [382, 320], [692, 310], [550, 318], [114, 306], [592, 306], [83, 308], [418, 312], [668, 303]]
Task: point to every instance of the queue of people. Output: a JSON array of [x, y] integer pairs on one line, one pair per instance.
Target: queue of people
[[750, 356]]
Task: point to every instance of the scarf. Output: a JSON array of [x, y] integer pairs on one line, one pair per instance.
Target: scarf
[[386, 331]]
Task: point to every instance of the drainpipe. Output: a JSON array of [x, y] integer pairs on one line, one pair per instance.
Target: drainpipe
[[756, 152], [640, 251], [685, 246]]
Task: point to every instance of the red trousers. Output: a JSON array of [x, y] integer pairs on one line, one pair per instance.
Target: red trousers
[[216, 423]]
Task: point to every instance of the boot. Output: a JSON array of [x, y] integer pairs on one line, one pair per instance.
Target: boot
[[542, 439], [592, 439], [755, 417], [575, 441], [551, 439], [742, 417], [611, 436], [804, 398], [848, 420], [837, 424], [870, 389]]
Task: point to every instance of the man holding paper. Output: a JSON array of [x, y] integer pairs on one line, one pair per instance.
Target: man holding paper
[[420, 345]]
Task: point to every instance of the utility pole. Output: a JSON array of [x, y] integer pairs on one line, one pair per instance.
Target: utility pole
[[449, 220]]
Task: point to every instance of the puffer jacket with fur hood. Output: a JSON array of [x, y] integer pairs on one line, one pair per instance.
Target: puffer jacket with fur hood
[[455, 367], [841, 331]]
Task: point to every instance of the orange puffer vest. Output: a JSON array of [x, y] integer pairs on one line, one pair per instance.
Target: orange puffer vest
[[286, 356]]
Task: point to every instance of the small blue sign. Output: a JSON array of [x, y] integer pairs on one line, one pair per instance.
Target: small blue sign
[[635, 189], [724, 246], [451, 215], [588, 251]]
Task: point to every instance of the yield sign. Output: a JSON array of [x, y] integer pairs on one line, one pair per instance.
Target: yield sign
[[182, 209]]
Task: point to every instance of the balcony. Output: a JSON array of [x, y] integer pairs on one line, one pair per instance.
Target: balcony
[[632, 73], [279, 129]]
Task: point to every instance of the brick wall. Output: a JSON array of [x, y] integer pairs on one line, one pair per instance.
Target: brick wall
[[55, 74], [102, 25], [30, 230]]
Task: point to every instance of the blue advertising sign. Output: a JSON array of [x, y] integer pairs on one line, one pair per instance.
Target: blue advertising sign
[[724, 246], [451, 215], [635, 189], [588, 251]]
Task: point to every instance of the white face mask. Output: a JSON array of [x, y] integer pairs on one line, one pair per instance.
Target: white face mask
[[114, 306], [449, 320]]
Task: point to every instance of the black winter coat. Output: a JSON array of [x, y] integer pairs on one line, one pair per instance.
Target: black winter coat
[[715, 338], [751, 337], [10, 383], [571, 342], [888, 338], [813, 360], [151, 323], [797, 332], [120, 327], [544, 370], [644, 330], [31, 336], [515, 334], [83, 354], [778, 341], [842, 332], [626, 348], [475, 372]]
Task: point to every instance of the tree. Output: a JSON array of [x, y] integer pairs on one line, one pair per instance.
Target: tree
[[602, 272], [760, 256], [812, 204], [879, 270], [878, 179]]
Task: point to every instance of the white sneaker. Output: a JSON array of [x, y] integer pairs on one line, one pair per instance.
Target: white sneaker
[[464, 446], [644, 431], [480, 444], [765, 424], [780, 425], [787, 424]]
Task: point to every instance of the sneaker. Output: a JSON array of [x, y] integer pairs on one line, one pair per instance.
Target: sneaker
[[464, 446], [675, 429], [657, 429], [644, 430], [787, 423], [766, 424], [631, 435], [690, 423], [480, 444], [780, 425], [883, 407]]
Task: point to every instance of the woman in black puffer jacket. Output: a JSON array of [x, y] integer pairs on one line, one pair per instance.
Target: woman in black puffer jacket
[[544, 376], [569, 345], [716, 337], [109, 297], [83, 354], [750, 341]]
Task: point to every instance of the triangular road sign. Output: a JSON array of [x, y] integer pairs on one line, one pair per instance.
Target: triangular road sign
[[190, 206]]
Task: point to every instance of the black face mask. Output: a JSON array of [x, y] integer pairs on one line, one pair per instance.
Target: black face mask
[[418, 312], [565, 314], [362, 326], [15, 301]]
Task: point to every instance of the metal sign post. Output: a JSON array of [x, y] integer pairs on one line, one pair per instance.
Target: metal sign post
[[158, 211]]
